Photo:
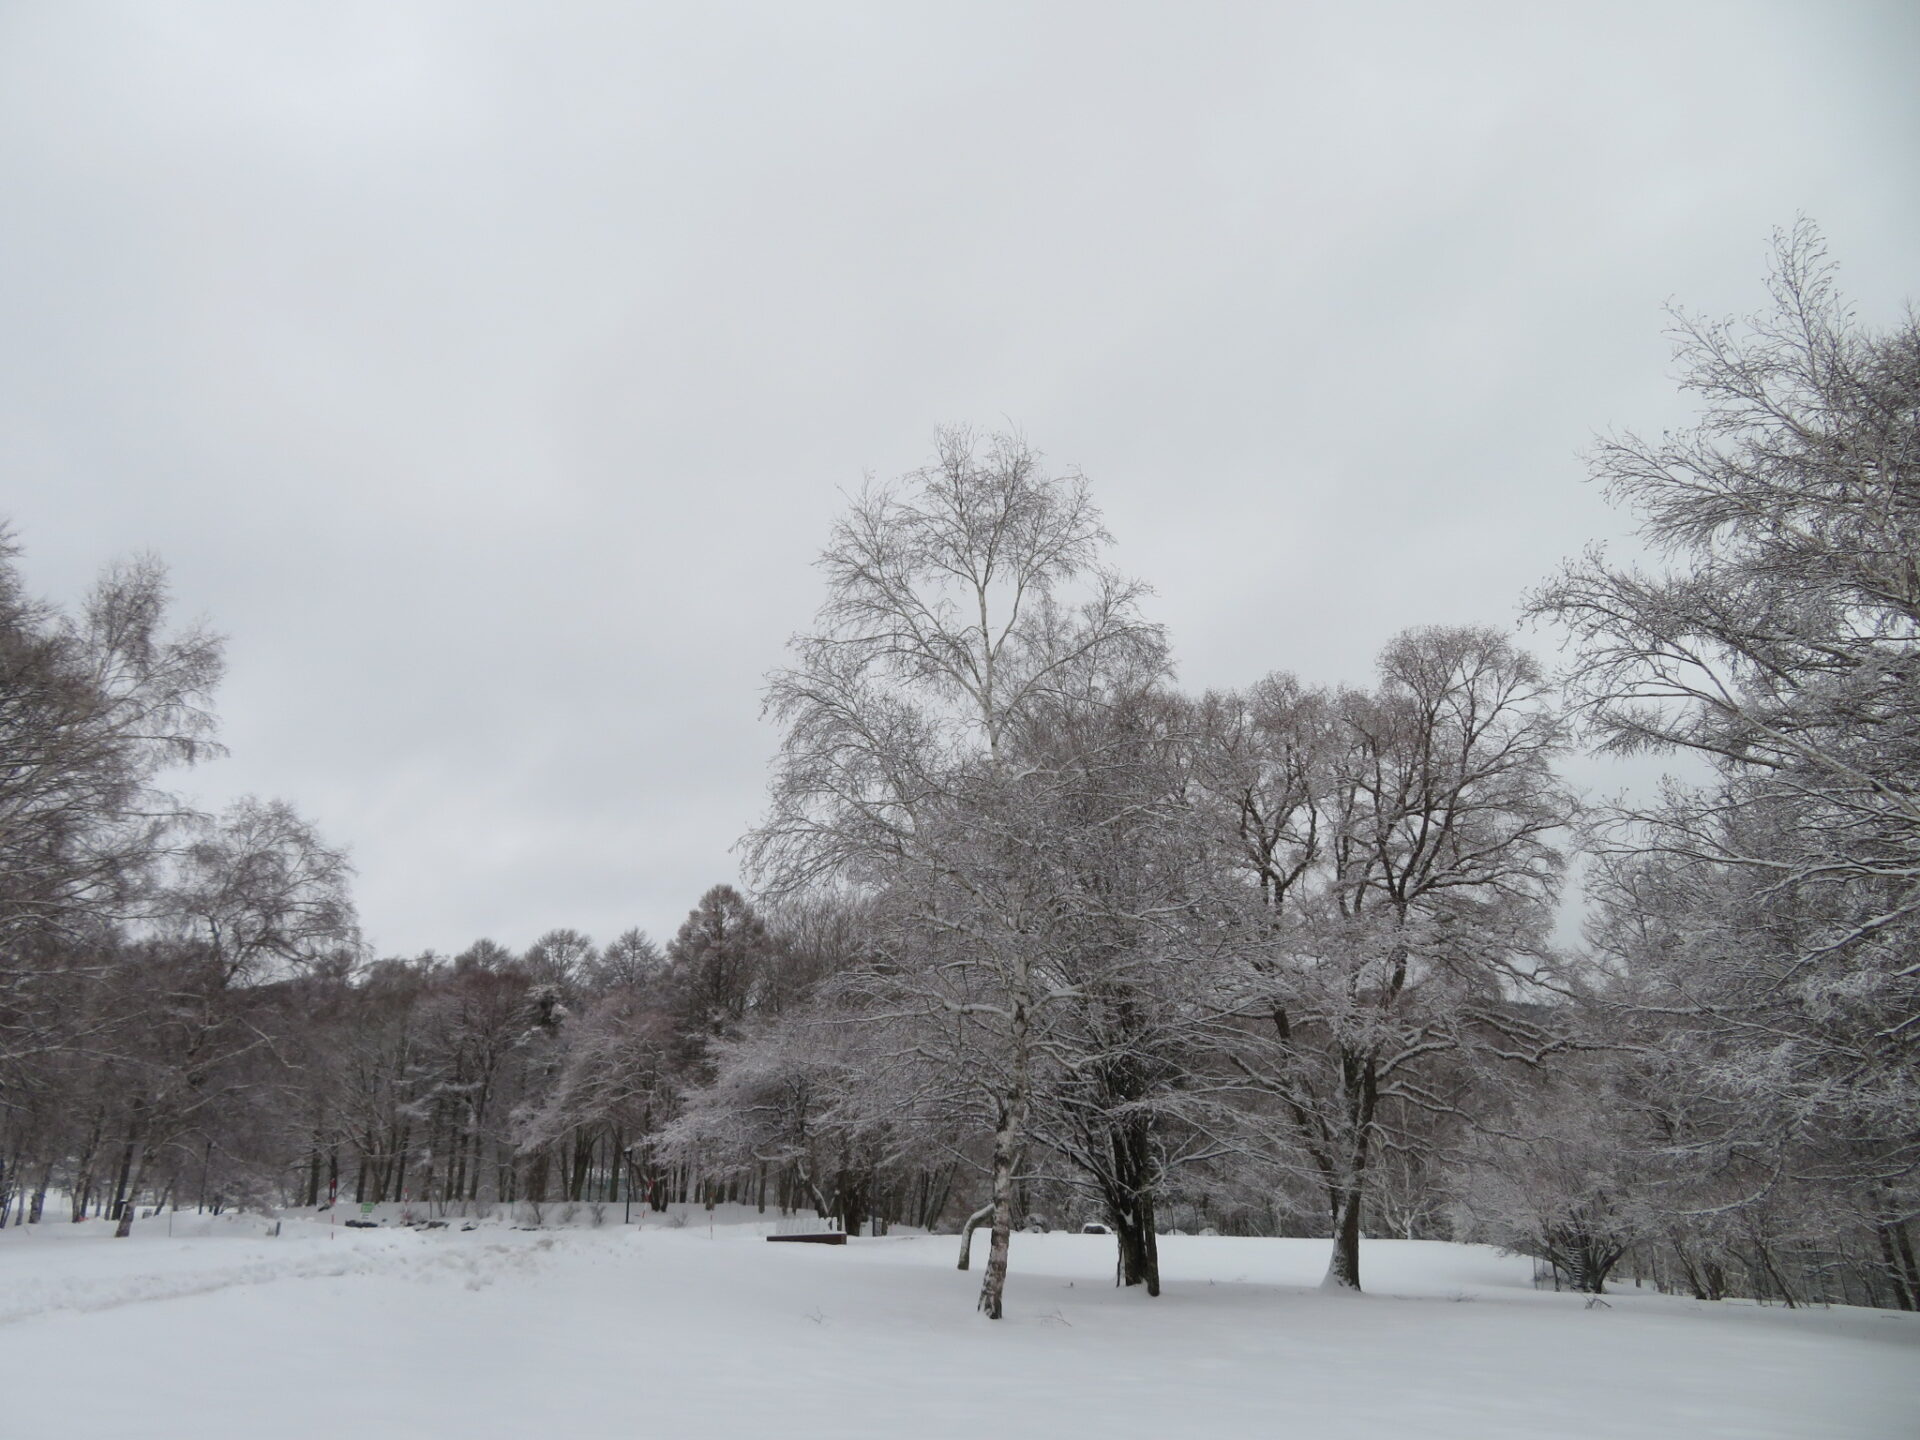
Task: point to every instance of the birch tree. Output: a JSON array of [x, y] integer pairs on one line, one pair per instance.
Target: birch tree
[[959, 599], [95, 705]]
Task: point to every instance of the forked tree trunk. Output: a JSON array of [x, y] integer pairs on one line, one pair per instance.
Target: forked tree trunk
[[1127, 1185], [1139, 1245]]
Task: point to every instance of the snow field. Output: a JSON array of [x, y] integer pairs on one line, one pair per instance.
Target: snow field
[[634, 1332]]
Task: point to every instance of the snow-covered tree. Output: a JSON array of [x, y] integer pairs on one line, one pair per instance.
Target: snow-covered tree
[[1401, 872], [1772, 912], [1126, 967], [1567, 1166], [959, 599]]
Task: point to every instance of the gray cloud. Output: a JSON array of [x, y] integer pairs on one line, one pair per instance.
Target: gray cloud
[[490, 374]]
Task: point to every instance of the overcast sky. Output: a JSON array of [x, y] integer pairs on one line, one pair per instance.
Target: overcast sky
[[490, 374]]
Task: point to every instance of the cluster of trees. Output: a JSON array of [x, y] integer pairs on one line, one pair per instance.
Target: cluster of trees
[[1755, 952], [1047, 939], [244, 1054], [139, 941], [1283, 958]]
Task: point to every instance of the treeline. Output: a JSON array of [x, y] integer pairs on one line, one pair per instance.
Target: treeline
[[144, 949], [1045, 939]]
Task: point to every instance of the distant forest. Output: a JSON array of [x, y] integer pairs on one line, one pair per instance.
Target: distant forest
[[1033, 937]]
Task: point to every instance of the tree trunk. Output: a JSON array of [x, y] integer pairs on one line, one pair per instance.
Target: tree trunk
[[1009, 1139], [1343, 1269], [1909, 1269], [139, 1175], [83, 1171], [1128, 1170], [1139, 1245], [128, 1156], [938, 1188], [1360, 1085], [974, 1222], [1005, 1157], [852, 1198], [402, 1142], [582, 1164], [1905, 1293], [40, 1195]]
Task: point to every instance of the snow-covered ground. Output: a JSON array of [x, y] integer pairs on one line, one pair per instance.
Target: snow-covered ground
[[635, 1333]]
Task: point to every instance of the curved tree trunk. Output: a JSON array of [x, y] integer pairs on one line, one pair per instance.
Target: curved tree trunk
[[974, 1222]]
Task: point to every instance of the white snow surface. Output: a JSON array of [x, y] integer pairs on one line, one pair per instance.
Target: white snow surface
[[690, 1332]]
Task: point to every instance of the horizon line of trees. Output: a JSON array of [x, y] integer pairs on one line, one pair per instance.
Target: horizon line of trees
[[1039, 938]]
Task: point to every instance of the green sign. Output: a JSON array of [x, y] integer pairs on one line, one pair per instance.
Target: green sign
[[366, 1207]]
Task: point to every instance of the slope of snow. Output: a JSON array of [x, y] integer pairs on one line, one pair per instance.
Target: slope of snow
[[635, 1332]]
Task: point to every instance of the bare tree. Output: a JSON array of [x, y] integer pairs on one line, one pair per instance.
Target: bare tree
[[259, 890], [562, 957], [94, 707], [958, 600], [1776, 908], [1125, 968], [1402, 874], [630, 961], [255, 897], [1564, 1167]]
